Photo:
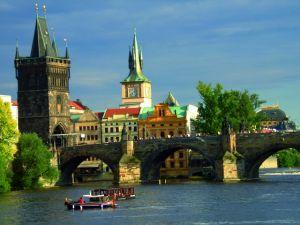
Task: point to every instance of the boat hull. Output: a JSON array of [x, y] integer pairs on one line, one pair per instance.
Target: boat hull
[[77, 206]]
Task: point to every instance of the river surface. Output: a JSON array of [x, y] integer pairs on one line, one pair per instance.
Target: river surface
[[275, 199]]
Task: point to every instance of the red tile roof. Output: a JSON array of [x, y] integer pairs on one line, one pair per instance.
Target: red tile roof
[[77, 105], [122, 111]]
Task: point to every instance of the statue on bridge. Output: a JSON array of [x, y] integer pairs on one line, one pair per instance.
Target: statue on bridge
[[226, 128], [126, 136]]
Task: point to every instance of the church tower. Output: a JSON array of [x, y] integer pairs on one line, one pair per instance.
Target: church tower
[[136, 88], [43, 86]]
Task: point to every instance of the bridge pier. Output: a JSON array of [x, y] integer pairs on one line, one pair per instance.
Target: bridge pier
[[230, 166], [129, 165]]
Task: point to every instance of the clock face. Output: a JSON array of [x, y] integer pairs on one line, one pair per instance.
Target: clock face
[[132, 92]]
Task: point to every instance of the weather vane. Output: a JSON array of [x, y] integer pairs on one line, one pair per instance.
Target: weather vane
[[44, 10], [36, 7], [66, 42]]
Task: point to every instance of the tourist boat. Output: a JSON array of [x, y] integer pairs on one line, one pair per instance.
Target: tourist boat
[[91, 202], [120, 193]]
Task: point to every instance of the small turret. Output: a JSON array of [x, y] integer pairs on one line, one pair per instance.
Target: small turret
[[17, 54], [67, 53], [171, 101], [54, 46]]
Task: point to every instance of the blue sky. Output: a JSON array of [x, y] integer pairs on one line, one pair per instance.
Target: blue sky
[[243, 44]]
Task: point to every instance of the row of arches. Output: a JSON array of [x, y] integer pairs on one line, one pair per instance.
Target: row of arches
[[201, 166]]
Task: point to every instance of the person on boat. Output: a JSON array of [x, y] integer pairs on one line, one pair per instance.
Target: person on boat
[[81, 201]]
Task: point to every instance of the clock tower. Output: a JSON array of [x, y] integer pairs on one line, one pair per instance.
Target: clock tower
[[136, 88]]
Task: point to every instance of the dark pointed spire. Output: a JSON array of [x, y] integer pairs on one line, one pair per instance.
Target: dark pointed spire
[[130, 60], [41, 39], [135, 62], [141, 58], [17, 54], [67, 53], [54, 46], [67, 56]]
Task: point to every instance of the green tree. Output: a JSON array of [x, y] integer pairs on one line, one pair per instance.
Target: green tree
[[238, 107], [8, 139], [32, 163], [288, 158]]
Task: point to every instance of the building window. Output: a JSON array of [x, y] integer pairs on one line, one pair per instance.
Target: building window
[[181, 155], [106, 129], [153, 125], [162, 134], [171, 125], [171, 133], [88, 137], [172, 164], [92, 127], [135, 138], [96, 137], [106, 139], [112, 139], [59, 104], [162, 125], [181, 164], [111, 130], [135, 129], [80, 127], [129, 128], [117, 129], [117, 139], [84, 127], [172, 156], [96, 127], [92, 137]]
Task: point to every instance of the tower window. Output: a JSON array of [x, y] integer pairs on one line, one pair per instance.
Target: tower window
[[59, 104]]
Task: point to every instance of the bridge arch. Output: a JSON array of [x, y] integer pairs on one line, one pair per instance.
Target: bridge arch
[[69, 167], [71, 157], [151, 163], [252, 166]]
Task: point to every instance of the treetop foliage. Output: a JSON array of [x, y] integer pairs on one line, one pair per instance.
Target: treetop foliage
[[8, 139], [238, 108], [32, 163]]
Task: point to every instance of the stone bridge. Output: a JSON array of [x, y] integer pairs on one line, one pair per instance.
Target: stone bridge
[[234, 157]]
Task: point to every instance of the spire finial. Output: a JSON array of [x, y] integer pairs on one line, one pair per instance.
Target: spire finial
[[66, 42], [36, 8], [17, 55], [45, 10]]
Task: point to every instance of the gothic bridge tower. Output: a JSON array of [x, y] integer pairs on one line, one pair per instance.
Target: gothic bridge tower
[[43, 86], [136, 87]]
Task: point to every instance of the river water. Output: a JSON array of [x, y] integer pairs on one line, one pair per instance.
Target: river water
[[275, 199]]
